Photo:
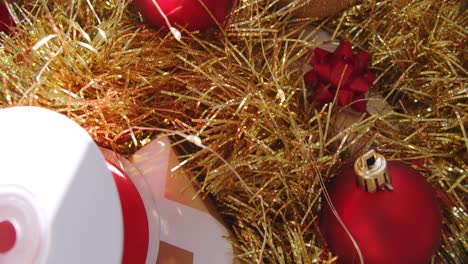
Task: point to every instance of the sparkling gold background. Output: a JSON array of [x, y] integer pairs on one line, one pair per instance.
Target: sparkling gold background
[[264, 152]]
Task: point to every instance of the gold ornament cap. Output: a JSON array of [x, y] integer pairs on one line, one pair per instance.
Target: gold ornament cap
[[372, 173]]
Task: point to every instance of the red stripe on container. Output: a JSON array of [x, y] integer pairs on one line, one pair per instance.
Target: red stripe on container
[[136, 230]]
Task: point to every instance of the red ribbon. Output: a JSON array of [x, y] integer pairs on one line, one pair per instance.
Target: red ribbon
[[341, 74], [135, 219]]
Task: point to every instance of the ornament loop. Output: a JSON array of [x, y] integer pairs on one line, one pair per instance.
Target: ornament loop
[[372, 172]]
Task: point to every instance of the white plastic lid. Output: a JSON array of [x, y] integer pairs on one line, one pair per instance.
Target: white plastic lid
[[56, 191]]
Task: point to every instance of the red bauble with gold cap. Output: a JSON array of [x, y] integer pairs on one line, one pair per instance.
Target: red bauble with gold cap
[[189, 14], [389, 209]]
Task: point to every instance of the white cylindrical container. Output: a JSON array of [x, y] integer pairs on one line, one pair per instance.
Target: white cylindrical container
[[61, 201]]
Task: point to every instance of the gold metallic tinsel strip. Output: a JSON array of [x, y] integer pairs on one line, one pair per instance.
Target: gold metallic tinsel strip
[[240, 90], [92, 62]]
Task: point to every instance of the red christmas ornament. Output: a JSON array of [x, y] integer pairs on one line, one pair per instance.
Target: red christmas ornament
[[388, 208], [5, 18], [190, 14]]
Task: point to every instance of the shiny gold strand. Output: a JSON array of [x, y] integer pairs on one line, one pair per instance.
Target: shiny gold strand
[[93, 64], [241, 92]]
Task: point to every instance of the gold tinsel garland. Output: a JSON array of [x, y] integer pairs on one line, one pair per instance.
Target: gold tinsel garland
[[241, 91]]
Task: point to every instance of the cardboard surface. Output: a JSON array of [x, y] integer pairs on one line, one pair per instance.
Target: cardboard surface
[[189, 232]]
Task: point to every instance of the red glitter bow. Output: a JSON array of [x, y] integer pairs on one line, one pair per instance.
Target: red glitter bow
[[341, 73]]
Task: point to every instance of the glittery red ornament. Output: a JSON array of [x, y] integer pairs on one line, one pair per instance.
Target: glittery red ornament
[[389, 209], [190, 14]]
